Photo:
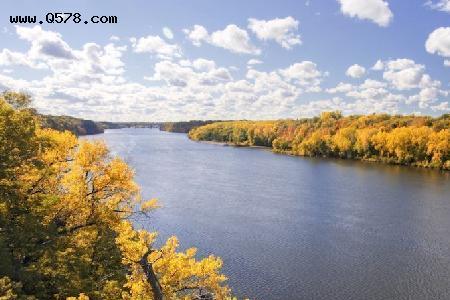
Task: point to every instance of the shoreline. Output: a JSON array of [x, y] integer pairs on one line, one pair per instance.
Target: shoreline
[[287, 153], [225, 144]]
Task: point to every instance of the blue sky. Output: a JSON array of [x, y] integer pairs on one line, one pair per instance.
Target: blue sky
[[230, 59]]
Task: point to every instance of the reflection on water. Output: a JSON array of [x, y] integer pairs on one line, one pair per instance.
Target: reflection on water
[[298, 228]]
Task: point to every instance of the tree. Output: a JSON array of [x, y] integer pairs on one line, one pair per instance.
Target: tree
[[409, 140], [65, 232], [17, 100]]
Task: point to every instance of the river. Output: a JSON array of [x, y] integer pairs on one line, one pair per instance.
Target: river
[[297, 228]]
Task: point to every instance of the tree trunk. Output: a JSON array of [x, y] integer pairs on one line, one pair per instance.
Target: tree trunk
[[151, 277]]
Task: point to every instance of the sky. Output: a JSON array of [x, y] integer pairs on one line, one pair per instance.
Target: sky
[[202, 59]]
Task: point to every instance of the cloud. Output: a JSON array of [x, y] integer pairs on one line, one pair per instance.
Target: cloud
[[47, 48], [88, 63], [438, 42], [443, 106], [355, 71], [447, 63], [376, 11], [198, 72], [373, 84], [93, 84], [232, 38], [373, 96], [44, 42], [429, 93], [283, 31], [341, 88], [154, 44], [10, 58], [304, 74], [384, 96], [197, 35], [167, 33], [442, 5], [254, 62], [378, 66], [91, 78], [204, 64], [403, 74]]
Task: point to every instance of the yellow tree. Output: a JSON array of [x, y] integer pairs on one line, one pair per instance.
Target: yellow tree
[[65, 205]]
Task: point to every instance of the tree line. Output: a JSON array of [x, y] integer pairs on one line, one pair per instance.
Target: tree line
[[75, 125], [182, 127], [407, 140], [65, 229]]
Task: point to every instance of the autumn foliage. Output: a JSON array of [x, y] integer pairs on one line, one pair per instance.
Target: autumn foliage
[[407, 140], [65, 232]]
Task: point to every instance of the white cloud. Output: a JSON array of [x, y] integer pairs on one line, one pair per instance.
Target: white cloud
[[372, 96], [204, 64], [305, 74], [438, 42], [376, 96], [373, 84], [200, 72], [376, 11], [341, 88], [430, 92], [45, 43], [443, 106], [403, 74], [114, 38], [167, 33], [154, 44], [197, 35], [447, 63], [283, 31], [232, 38], [93, 84], [442, 5], [254, 62], [10, 58], [385, 96], [355, 71], [47, 49], [378, 66], [427, 96]]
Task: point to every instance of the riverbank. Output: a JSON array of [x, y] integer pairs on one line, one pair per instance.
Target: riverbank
[[233, 145], [288, 153], [400, 140]]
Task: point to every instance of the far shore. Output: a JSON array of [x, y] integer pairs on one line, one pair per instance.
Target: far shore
[[233, 145]]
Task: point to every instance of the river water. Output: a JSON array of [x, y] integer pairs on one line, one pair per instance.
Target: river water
[[297, 228]]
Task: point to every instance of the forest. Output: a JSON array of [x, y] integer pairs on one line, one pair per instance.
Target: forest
[[61, 123], [75, 125], [406, 140], [182, 127], [65, 222]]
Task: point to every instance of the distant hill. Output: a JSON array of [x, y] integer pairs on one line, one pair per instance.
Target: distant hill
[[87, 127], [183, 127], [119, 125], [72, 124]]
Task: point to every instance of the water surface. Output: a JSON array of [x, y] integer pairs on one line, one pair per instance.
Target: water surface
[[297, 228]]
